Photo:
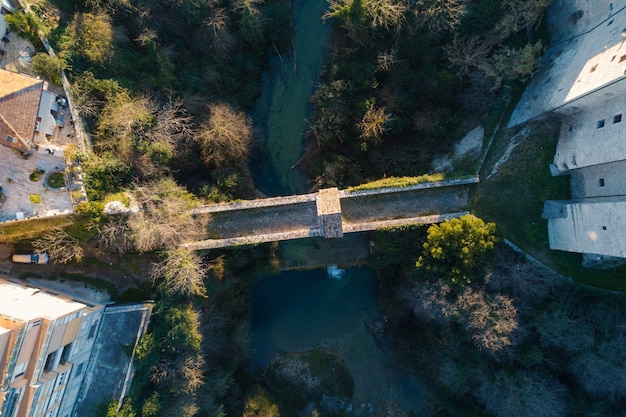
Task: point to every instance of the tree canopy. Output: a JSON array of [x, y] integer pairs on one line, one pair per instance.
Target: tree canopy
[[456, 250]]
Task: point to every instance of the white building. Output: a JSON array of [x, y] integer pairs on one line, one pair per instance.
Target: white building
[[50, 346], [40, 341], [582, 82]]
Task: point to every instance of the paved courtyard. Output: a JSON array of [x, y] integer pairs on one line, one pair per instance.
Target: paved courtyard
[[17, 187]]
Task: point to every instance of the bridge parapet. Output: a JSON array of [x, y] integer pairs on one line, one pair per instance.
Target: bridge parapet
[[331, 213], [425, 185]]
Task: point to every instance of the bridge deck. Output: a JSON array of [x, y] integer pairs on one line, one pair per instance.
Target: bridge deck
[[271, 220]]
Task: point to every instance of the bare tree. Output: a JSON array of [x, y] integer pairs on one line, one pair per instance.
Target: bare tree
[[467, 54], [115, 235], [386, 60], [60, 246], [521, 394], [173, 124], [517, 15], [164, 219], [387, 14], [374, 123], [524, 280], [601, 371], [225, 137], [440, 15], [180, 272], [122, 120]]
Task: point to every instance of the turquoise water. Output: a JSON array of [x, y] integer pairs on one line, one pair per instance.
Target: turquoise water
[[282, 109], [298, 310]]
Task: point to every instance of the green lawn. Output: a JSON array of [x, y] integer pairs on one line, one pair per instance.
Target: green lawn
[[514, 197]]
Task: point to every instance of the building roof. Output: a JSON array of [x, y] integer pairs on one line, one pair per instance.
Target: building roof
[[573, 68], [19, 104], [590, 225], [24, 303]]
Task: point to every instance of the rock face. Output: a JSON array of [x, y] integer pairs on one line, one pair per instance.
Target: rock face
[[469, 146]]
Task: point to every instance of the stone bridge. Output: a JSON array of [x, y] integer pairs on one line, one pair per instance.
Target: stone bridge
[[330, 213]]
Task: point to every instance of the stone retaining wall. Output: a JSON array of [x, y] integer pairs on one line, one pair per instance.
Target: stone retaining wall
[[250, 204], [368, 226]]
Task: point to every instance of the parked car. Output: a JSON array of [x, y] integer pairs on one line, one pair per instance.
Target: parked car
[[30, 258]]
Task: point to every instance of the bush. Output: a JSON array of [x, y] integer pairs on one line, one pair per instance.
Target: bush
[[35, 174], [455, 250], [35, 198], [48, 67], [25, 24]]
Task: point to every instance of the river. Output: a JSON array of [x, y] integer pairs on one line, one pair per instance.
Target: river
[[300, 310], [283, 107], [295, 311]]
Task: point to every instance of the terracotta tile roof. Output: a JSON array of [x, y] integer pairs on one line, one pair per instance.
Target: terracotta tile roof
[[19, 104]]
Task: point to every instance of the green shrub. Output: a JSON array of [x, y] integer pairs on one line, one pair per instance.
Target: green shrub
[[48, 67], [35, 174], [25, 24], [35, 198]]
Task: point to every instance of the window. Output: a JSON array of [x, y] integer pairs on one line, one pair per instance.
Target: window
[[622, 58], [603, 227], [65, 354], [10, 139], [92, 330], [19, 370], [10, 401], [600, 123], [62, 378], [593, 68], [79, 369], [617, 118], [601, 182], [50, 361]]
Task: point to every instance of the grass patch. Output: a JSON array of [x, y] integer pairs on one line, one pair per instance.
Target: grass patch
[[15, 231], [514, 198], [401, 182], [56, 180]]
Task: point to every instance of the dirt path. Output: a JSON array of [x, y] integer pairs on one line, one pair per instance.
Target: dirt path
[[125, 272]]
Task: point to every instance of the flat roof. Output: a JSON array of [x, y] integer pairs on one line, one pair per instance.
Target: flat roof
[[22, 302], [574, 67]]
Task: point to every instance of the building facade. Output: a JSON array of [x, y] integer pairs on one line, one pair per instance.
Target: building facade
[[42, 347], [581, 81], [52, 346]]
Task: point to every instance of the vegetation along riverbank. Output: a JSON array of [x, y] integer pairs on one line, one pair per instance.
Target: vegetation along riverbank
[[167, 89]]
